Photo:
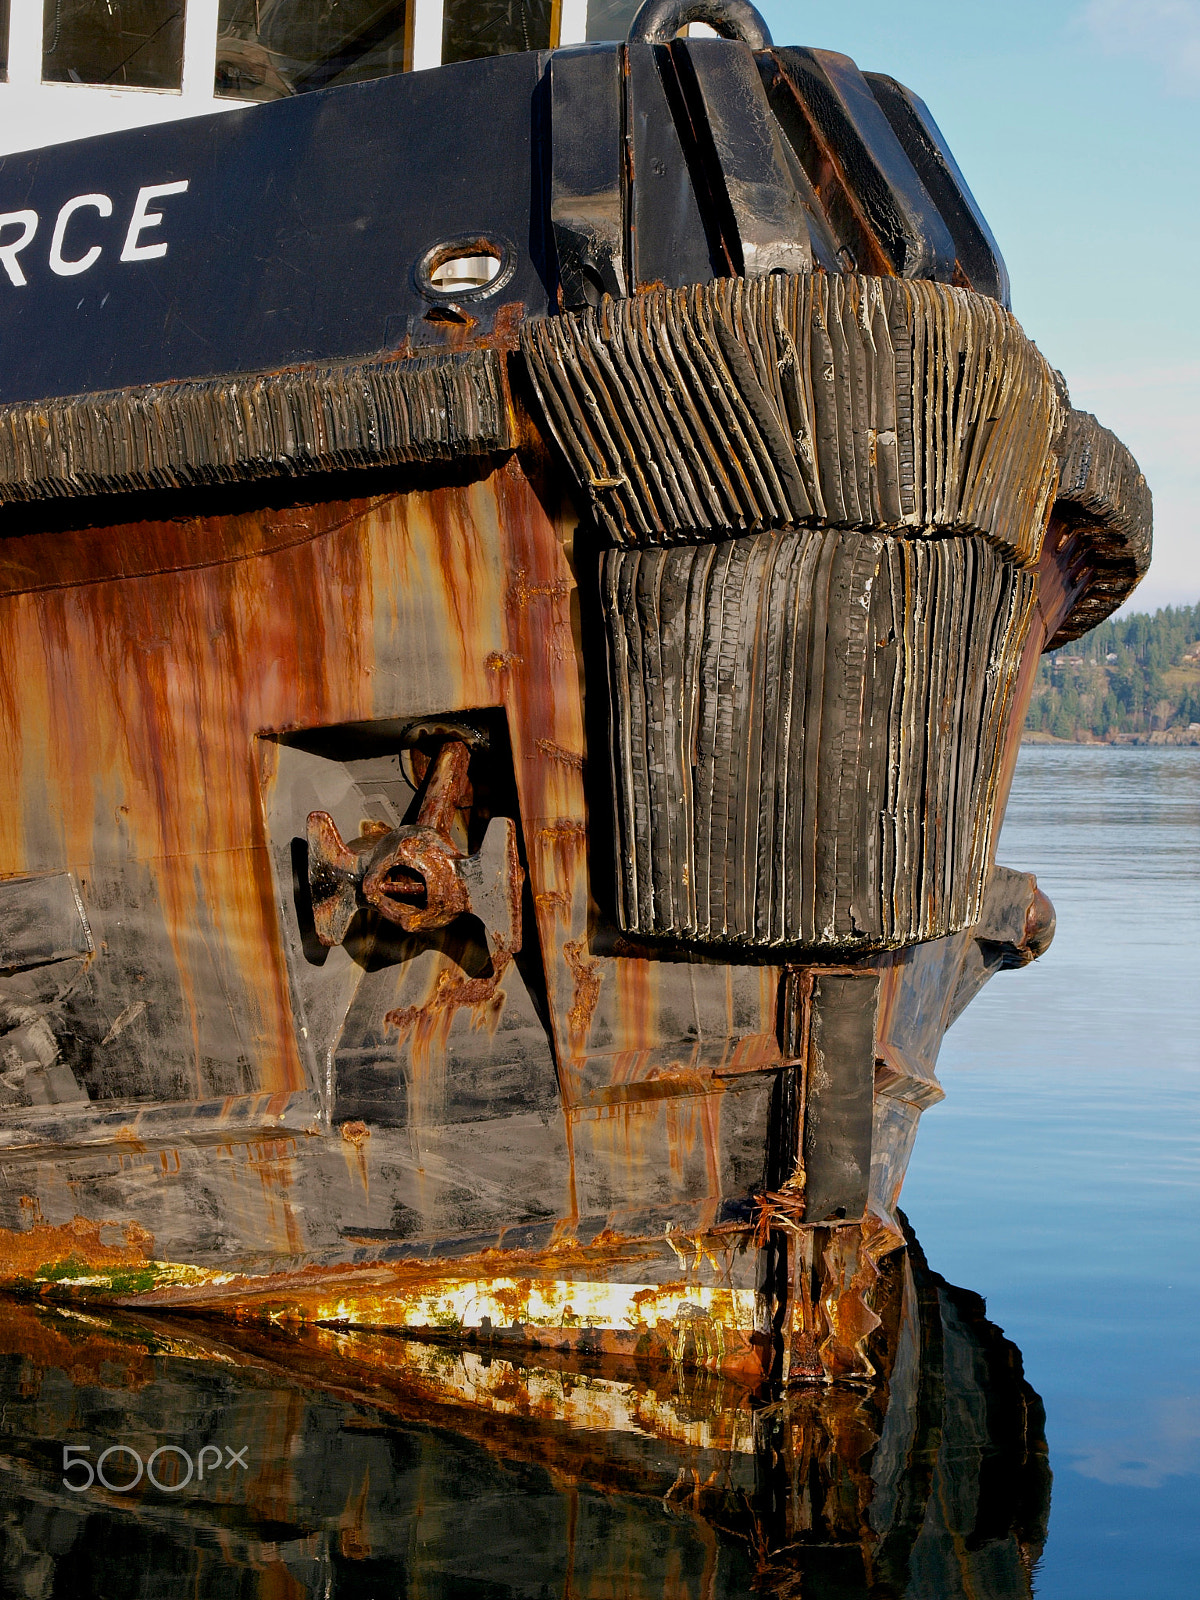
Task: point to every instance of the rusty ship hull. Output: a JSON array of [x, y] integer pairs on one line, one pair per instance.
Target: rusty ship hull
[[503, 774]]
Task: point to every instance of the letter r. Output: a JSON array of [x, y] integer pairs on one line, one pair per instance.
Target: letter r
[[28, 221]]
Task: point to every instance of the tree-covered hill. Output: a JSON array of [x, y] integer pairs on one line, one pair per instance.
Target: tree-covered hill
[[1133, 676]]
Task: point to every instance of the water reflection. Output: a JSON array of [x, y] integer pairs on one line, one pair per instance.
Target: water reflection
[[321, 1462]]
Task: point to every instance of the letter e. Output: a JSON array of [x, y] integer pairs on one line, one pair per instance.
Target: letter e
[[143, 219]]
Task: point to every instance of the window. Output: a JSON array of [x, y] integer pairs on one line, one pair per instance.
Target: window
[[472, 28], [270, 48], [610, 19], [130, 44]]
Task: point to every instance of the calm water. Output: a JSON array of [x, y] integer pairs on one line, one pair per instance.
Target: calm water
[[1060, 1180]]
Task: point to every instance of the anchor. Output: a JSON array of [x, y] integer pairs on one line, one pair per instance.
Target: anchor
[[415, 875]]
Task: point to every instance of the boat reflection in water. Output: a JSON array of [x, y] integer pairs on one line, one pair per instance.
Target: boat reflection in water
[[310, 1460]]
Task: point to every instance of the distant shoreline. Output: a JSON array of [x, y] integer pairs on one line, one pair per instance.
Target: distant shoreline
[[1167, 738], [1134, 680]]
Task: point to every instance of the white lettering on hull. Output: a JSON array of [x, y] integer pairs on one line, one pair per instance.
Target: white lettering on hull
[[58, 263], [27, 221], [142, 220]]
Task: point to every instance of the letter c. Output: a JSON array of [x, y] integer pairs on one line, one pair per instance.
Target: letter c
[[68, 269]]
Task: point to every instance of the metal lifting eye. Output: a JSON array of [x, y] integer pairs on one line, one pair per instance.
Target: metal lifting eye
[[659, 21], [465, 269], [464, 272]]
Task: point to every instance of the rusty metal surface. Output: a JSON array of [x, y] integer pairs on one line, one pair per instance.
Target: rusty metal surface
[[142, 737], [656, 1105]]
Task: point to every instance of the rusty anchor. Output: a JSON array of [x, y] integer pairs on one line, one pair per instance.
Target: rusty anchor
[[415, 875]]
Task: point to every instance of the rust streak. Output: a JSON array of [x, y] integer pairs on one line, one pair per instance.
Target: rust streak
[[450, 993], [25, 1253], [569, 758], [586, 993]]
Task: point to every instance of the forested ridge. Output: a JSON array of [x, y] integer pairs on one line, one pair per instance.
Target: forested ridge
[[1134, 678]]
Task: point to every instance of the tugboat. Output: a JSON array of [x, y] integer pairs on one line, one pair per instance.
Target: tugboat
[[520, 586]]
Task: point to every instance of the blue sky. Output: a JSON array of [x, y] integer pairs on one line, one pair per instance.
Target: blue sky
[[1077, 125]]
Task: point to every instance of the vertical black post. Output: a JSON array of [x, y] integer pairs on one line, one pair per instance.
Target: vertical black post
[[839, 1093]]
